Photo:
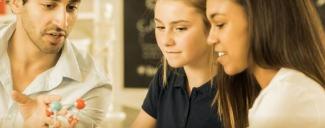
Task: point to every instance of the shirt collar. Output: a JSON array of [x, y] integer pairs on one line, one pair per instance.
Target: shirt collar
[[68, 62], [6, 32], [67, 65], [181, 80]]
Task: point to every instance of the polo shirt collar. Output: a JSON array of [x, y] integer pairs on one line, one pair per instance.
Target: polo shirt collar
[[181, 80]]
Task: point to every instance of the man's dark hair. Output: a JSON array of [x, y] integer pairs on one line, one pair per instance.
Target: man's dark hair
[[24, 1]]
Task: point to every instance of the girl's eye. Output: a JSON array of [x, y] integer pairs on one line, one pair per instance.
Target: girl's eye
[[160, 27], [181, 28], [220, 26]]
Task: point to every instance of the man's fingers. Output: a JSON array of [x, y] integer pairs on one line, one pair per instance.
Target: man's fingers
[[52, 122], [73, 122], [48, 120], [57, 124], [20, 98]]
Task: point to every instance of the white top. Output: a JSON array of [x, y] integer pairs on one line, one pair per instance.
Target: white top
[[74, 76], [291, 100]]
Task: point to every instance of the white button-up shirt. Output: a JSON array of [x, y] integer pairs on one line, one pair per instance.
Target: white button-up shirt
[[291, 100], [74, 76]]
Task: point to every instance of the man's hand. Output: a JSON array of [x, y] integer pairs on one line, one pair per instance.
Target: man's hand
[[34, 111]]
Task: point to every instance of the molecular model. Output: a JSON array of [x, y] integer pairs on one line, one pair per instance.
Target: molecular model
[[73, 109]]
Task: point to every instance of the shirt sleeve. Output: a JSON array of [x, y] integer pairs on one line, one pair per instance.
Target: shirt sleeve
[[151, 101], [97, 101]]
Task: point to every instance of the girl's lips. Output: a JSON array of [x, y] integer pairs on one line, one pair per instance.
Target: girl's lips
[[220, 53], [173, 52]]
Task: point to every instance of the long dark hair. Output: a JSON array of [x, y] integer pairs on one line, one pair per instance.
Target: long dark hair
[[283, 33]]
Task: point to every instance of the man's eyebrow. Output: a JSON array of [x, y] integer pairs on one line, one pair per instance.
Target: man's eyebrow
[[56, 0], [74, 1], [70, 1]]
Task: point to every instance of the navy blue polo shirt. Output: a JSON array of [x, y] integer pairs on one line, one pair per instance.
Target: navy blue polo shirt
[[173, 107]]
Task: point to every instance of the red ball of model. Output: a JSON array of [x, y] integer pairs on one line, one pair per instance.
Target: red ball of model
[[80, 104]]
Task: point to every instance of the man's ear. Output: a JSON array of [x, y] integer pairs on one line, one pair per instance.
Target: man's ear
[[16, 6]]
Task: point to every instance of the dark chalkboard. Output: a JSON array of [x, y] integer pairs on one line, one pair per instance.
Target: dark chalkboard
[[141, 53]]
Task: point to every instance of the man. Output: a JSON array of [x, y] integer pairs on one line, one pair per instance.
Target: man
[[39, 65]]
